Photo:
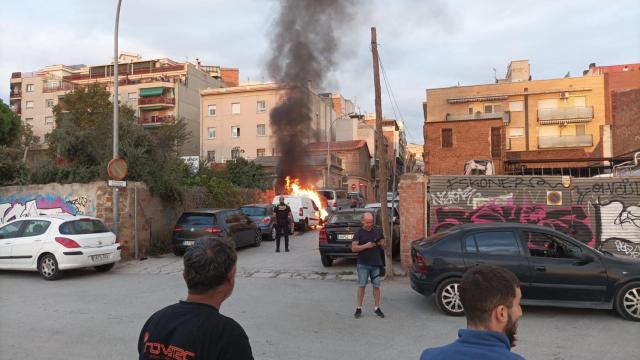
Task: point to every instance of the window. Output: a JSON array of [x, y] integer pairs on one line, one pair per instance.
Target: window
[[545, 245], [547, 104], [470, 111], [11, 230], [580, 130], [82, 226], [579, 101], [516, 132], [261, 106], [48, 120], [260, 152], [211, 110], [29, 87], [496, 142], [235, 153], [235, 108], [29, 104], [447, 138], [493, 243], [492, 108], [28, 120], [49, 103], [35, 227], [261, 130], [235, 131], [132, 96], [211, 156], [516, 105], [211, 132]]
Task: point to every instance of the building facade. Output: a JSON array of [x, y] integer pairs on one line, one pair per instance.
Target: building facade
[[524, 126], [235, 121], [159, 90]]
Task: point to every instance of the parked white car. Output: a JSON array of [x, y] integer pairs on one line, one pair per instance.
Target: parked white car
[[305, 212], [52, 243]]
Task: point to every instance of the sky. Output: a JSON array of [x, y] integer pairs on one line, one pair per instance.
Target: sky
[[422, 43]]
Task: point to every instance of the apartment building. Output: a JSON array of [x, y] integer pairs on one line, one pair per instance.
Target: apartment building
[[159, 90], [414, 158], [235, 121], [525, 126]]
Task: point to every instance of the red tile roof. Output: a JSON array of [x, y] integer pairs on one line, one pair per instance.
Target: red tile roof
[[337, 145]]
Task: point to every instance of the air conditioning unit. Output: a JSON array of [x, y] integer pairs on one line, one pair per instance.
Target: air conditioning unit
[[564, 95]]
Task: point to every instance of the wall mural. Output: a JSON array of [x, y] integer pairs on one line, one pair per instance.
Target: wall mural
[[12, 207], [603, 213]]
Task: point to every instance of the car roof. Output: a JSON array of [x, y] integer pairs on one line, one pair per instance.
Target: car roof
[[354, 210], [500, 225], [205, 211], [257, 205]]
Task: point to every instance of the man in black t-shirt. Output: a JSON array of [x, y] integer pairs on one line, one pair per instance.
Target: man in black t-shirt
[[283, 212], [195, 329], [368, 242]]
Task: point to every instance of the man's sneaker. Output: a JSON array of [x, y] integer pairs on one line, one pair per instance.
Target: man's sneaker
[[379, 312], [358, 313], [286, 250], [277, 250]]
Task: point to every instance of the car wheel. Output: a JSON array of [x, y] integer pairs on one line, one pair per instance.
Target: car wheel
[[274, 233], [178, 252], [448, 297], [302, 226], [105, 267], [48, 267], [628, 301], [326, 261], [306, 225], [258, 239]]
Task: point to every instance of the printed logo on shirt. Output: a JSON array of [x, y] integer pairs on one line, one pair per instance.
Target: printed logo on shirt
[[165, 352]]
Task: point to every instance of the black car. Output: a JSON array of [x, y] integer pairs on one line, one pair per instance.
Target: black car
[[228, 224], [337, 234], [263, 216], [554, 269]]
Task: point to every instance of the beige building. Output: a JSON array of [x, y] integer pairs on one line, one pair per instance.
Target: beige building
[[159, 90], [414, 156], [235, 121], [522, 125]]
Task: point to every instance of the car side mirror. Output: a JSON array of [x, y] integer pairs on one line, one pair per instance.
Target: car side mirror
[[587, 258]]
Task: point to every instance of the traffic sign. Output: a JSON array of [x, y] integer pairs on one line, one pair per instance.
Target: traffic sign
[[117, 183], [117, 169]]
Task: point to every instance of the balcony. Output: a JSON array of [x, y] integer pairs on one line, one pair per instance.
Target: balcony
[[575, 114], [15, 94], [16, 108], [155, 102], [479, 116], [156, 120], [60, 86], [552, 142]]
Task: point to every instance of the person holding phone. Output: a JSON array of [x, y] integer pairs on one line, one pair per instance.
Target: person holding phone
[[369, 242]]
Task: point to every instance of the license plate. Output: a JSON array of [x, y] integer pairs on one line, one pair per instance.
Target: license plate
[[345, 236], [100, 257], [188, 243]]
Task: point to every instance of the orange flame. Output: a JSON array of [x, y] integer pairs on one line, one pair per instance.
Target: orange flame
[[293, 187]]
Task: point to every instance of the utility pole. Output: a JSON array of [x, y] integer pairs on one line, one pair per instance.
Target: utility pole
[[116, 107], [382, 157]]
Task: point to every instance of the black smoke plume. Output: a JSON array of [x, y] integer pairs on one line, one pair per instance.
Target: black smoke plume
[[303, 50]]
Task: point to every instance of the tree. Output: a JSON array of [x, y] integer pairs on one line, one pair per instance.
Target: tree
[[9, 125], [246, 174], [15, 140]]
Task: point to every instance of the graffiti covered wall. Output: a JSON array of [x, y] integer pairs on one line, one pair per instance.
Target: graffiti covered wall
[[32, 200], [600, 212]]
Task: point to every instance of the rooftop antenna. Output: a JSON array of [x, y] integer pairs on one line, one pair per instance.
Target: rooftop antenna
[[495, 77]]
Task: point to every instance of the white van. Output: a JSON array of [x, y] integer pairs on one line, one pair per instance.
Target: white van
[[304, 210]]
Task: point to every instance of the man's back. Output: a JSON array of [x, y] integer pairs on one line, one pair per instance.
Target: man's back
[[189, 330], [474, 344]]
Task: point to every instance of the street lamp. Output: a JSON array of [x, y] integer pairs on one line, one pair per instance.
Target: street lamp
[[331, 122], [116, 193]]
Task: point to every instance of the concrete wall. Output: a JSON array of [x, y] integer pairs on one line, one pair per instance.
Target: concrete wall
[[600, 212]]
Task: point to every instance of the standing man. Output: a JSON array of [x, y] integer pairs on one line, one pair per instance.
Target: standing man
[[368, 242], [283, 212], [490, 296], [195, 329]]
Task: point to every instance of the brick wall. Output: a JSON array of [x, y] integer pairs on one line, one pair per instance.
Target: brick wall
[[471, 141], [412, 213], [625, 106]]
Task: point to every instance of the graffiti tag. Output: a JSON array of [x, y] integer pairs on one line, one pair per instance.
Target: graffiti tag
[[486, 182], [451, 197], [617, 188]]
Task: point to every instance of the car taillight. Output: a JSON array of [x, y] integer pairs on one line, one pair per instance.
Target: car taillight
[[68, 243], [177, 228], [323, 236], [419, 264], [265, 220], [117, 241], [213, 230], [300, 212]]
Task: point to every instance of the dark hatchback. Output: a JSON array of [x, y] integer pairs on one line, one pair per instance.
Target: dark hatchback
[[263, 216], [335, 237], [554, 269], [227, 224]]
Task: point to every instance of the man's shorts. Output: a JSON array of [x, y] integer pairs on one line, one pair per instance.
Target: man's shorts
[[366, 272]]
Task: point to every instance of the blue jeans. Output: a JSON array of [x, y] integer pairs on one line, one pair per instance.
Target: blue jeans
[[365, 272]]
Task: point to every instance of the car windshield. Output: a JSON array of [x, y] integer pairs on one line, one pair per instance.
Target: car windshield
[[327, 194], [197, 219], [83, 226], [254, 211], [351, 217]]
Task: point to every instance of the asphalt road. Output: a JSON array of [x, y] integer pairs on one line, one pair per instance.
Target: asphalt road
[[290, 306]]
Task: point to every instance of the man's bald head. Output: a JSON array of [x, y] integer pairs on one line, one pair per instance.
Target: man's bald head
[[367, 220]]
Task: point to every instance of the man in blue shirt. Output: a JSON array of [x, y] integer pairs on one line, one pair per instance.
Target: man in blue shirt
[[368, 242], [490, 296]]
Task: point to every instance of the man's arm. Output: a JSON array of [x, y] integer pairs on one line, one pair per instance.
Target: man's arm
[[356, 247]]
